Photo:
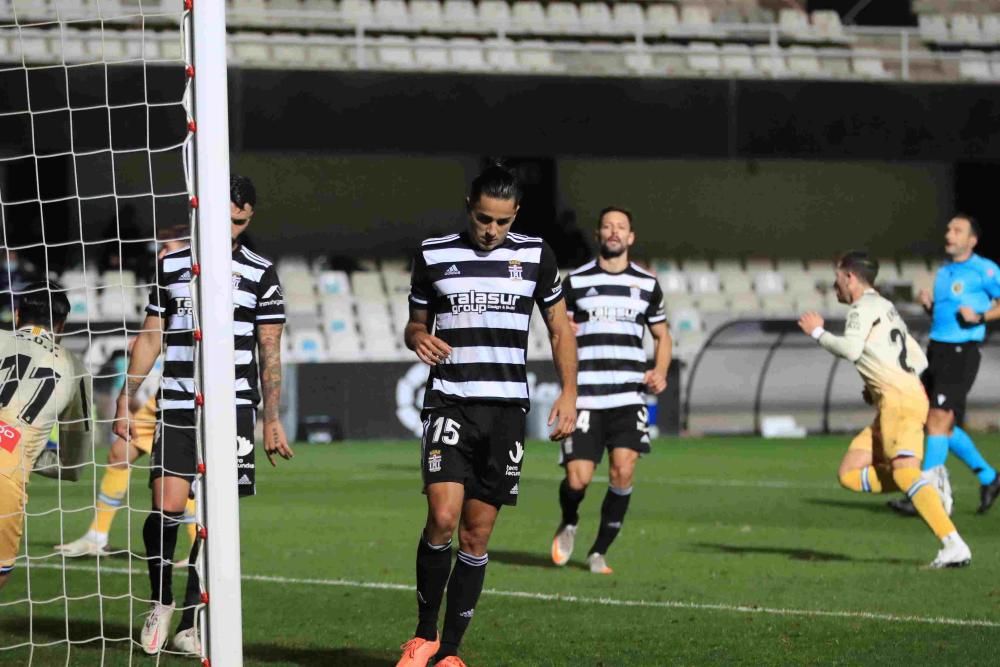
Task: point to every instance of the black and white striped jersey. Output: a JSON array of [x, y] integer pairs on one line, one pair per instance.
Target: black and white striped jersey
[[257, 299], [612, 311], [482, 303]]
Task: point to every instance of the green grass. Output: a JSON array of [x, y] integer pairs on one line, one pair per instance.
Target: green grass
[[726, 522]]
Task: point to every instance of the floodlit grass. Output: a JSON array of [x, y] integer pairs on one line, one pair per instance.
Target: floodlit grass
[[733, 553]]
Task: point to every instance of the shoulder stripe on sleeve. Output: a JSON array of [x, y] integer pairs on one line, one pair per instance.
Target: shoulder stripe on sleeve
[[586, 267], [254, 257], [439, 239]]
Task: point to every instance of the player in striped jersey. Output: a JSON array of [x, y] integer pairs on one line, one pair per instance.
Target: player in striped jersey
[[41, 384], [122, 455], [612, 301], [258, 319], [471, 298]]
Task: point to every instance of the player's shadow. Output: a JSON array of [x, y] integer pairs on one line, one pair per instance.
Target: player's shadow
[[317, 657], [53, 628], [865, 505], [529, 559], [809, 555]]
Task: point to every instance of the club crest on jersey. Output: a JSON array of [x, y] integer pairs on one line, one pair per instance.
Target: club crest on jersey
[[236, 280], [516, 270], [957, 287]]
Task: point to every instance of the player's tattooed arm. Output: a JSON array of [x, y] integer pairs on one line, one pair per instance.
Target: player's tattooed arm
[[269, 348]]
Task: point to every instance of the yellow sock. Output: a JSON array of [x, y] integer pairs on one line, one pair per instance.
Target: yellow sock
[[191, 520], [925, 499], [114, 486], [869, 479]]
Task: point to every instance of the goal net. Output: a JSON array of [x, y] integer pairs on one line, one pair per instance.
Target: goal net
[[99, 169]]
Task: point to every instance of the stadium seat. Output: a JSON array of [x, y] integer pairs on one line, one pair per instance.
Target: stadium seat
[[355, 12], [627, 17], [887, 269], [778, 305], [327, 53], [809, 302], [788, 266], [991, 28], [745, 303], [696, 20], [868, 63], [704, 57], [394, 52], [661, 19], [737, 59], [426, 14], [596, 18], [381, 348], [735, 282], [563, 18], [933, 28], [467, 54], [910, 268], [250, 48], [308, 345], [794, 23], [703, 282], [799, 283], [528, 16], [663, 264], [684, 319], [494, 15], [695, 265], [965, 30], [289, 49], [727, 265], [501, 55], [367, 286], [673, 282], [827, 26], [333, 284], [758, 15], [803, 60], [431, 53], [770, 60], [975, 65], [534, 55], [730, 17], [768, 282], [758, 264], [82, 304], [713, 303], [460, 15], [639, 61], [391, 14]]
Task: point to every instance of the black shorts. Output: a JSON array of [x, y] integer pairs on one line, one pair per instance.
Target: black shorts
[[950, 374], [478, 445], [175, 448], [597, 430]]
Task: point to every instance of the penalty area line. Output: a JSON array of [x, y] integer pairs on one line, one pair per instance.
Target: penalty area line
[[596, 601]]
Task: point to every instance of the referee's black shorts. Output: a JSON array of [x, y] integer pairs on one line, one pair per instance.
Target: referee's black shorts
[[950, 374]]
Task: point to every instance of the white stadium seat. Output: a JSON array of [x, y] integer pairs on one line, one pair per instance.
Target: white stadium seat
[[991, 28], [528, 16], [460, 15], [735, 282], [975, 65], [391, 14], [467, 54], [494, 15], [868, 63], [809, 302], [394, 52], [431, 53], [703, 282], [595, 18], [768, 282], [308, 345], [426, 14], [628, 17], [933, 28], [684, 319], [770, 60], [673, 282], [738, 59], [794, 23], [827, 25], [745, 303], [778, 304], [536, 56], [804, 61], [713, 303], [501, 55], [367, 285], [696, 20], [639, 61], [661, 19], [333, 283], [965, 29], [563, 17], [704, 57]]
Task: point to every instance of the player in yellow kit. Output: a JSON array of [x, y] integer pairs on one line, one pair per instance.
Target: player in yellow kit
[[121, 456], [886, 456], [41, 383]]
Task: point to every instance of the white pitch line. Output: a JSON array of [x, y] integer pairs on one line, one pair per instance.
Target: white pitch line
[[607, 602]]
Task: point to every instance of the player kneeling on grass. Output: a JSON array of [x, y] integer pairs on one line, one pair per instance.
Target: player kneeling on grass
[[612, 301], [890, 361], [41, 383]]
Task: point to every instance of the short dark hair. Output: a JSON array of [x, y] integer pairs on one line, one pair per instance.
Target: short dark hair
[[242, 191], [973, 223], [496, 181], [42, 304], [861, 264], [176, 232], [614, 209]]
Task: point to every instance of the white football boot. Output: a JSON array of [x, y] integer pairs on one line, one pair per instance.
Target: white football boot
[[156, 629], [954, 553], [598, 565], [85, 546], [562, 544], [187, 642]]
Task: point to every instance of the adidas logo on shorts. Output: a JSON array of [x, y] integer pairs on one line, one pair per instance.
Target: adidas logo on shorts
[[244, 481]]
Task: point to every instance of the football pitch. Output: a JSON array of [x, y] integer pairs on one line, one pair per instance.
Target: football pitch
[[735, 551]]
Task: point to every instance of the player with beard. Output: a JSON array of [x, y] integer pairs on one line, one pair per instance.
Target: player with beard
[[612, 301]]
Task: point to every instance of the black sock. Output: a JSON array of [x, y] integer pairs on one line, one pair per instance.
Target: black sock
[[192, 595], [159, 533], [569, 500], [433, 566], [464, 587], [612, 515]]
